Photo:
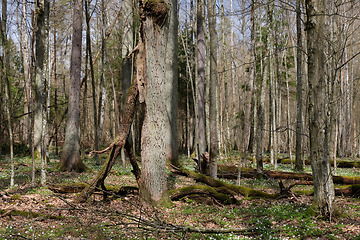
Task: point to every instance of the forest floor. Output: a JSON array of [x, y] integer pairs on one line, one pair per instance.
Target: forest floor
[[38, 213]]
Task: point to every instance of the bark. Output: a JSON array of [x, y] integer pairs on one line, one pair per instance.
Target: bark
[[89, 50], [70, 158], [41, 77], [5, 65], [318, 107], [298, 159], [127, 15], [201, 78], [213, 90], [26, 66], [102, 92], [159, 19]]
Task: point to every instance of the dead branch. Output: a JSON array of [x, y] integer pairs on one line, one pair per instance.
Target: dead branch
[[117, 145]]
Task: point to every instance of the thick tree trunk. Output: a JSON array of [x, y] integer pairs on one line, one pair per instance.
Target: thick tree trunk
[[159, 21], [324, 194], [70, 158]]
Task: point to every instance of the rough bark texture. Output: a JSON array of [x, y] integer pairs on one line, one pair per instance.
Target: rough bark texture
[[213, 90], [158, 18], [70, 158], [318, 109]]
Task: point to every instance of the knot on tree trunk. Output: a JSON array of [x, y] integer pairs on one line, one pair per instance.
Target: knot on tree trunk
[[157, 9]]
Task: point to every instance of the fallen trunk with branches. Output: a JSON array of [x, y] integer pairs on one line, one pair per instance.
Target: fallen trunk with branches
[[231, 172]]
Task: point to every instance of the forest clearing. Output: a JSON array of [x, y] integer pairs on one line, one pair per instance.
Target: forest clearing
[[39, 213]]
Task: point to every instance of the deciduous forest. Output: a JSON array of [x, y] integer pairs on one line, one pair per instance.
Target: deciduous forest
[[179, 119]]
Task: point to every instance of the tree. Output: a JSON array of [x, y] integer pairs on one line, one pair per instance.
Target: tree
[[318, 107], [156, 90], [201, 78], [41, 68], [70, 158], [213, 90], [5, 65], [298, 160]]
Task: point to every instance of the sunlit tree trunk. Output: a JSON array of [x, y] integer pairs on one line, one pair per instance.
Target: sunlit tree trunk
[[159, 93], [70, 158], [318, 107], [213, 89], [41, 75]]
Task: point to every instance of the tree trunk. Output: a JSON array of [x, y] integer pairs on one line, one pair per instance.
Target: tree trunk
[[70, 158], [5, 79], [127, 15], [26, 65], [41, 77], [213, 89], [201, 78], [159, 33], [298, 155], [324, 194]]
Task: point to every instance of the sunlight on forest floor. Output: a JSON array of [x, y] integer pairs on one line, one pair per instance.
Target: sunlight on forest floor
[[59, 218]]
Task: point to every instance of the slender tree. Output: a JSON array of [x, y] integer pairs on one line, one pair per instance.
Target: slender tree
[[70, 158], [201, 78], [213, 89], [298, 160]]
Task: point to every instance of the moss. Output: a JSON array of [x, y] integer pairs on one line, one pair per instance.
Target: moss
[[16, 197], [28, 214]]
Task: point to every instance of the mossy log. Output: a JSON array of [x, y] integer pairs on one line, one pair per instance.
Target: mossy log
[[115, 147], [78, 187], [27, 214], [348, 190], [230, 172], [241, 190], [339, 163], [219, 194]]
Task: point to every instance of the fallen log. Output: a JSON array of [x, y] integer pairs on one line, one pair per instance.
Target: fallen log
[[218, 194], [348, 190], [27, 214], [241, 190], [78, 187], [230, 172], [339, 163]]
